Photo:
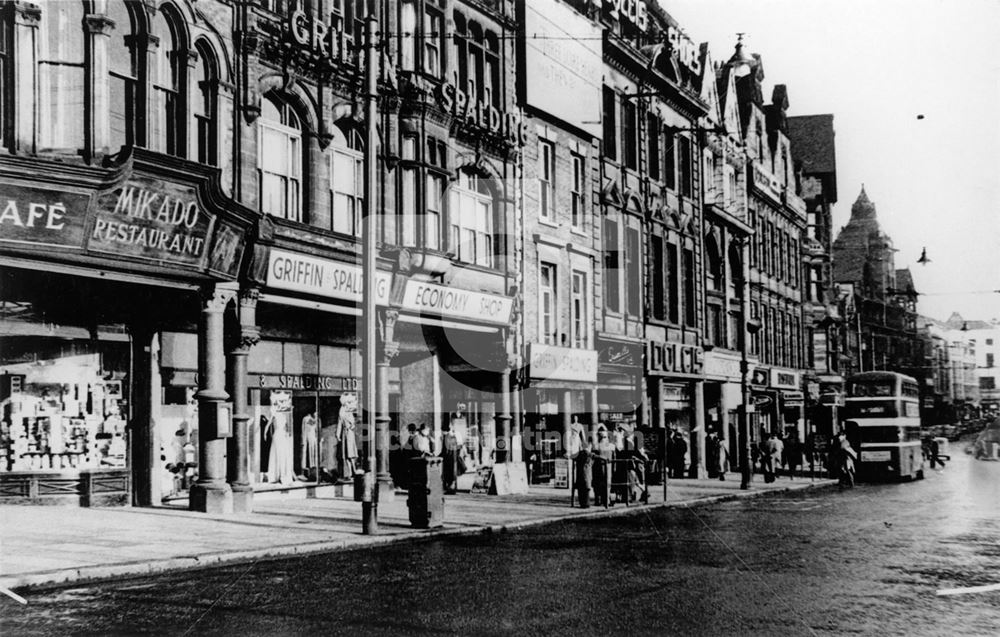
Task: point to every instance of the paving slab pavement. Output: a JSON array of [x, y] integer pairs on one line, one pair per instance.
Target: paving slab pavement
[[48, 545]]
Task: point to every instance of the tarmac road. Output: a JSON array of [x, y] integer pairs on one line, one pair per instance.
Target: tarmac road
[[871, 560]]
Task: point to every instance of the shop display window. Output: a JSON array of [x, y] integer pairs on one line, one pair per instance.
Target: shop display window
[[63, 403]]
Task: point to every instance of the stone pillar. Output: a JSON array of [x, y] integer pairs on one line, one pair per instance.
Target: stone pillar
[[594, 414], [503, 419], [26, 32], [389, 350], [698, 469], [100, 28], [517, 421], [238, 445], [211, 493], [567, 420]]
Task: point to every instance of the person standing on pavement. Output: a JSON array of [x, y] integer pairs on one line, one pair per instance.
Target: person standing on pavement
[[680, 452], [604, 453], [712, 455], [793, 454], [771, 456], [845, 457]]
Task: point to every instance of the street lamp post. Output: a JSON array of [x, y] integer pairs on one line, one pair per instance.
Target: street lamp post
[[369, 343], [745, 324]]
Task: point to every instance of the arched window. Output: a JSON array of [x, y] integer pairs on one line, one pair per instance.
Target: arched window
[[166, 108], [279, 159], [61, 76], [122, 77], [205, 107], [713, 266], [347, 181], [407, 35], [471, 210]]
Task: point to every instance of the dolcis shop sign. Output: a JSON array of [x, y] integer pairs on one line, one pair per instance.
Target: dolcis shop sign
[[668, 359], [467, 109]]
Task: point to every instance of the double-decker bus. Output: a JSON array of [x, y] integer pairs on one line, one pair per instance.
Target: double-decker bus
[[882, 423]]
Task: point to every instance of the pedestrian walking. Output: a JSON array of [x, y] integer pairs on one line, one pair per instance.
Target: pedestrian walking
[[933, 452], [604, 453], [793, 454], [771, 456], [584, 463], [678, 462], [712, 455], [846, 458]]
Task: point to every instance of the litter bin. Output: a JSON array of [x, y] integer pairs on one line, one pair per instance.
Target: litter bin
[[425, 497]]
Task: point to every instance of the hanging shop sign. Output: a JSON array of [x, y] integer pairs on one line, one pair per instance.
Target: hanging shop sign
[[152, 220], [429, 298], [305, 382], [619, 357], [549, 362], [317, 37], [42, 217], [481, 114], [322, 277], [666, 359], [760, 376], [784, 379], [632, 11]]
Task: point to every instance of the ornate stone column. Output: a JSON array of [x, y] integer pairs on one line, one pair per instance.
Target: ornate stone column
[[388, 351], [697, 469], [567, 421], [211, 493], [100, 28], [238, 445]]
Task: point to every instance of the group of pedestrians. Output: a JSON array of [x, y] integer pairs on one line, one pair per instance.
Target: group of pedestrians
[[774, 453], [610, 466]]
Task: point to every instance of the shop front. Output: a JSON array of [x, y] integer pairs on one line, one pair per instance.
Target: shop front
[[675, 388], [723, 397], [90, 272], [561, 409]]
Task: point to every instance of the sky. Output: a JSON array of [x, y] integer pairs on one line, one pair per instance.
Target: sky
[[876, 65]]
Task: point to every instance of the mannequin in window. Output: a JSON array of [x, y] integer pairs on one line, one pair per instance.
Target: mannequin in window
[[279, 462], [308, 444], [346, 437]]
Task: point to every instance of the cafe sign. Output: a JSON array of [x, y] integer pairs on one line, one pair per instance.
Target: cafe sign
[[466, 108], [670, 359], [42, 217], [152, 220]]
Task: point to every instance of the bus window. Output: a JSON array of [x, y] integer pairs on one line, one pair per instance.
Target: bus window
[[880, 434], [866, 389]]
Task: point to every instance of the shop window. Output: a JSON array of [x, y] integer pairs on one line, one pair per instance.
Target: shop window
[[347, 181], [690, 311], [471, 214], [656, 279], [579, 309], [609, 120], [612, 273], [547, 317], [279, 160], [653, 146], [630, 134], [633, 271], [546, 179], [61, 76], [204, 107], [166, 111], [123, 63]]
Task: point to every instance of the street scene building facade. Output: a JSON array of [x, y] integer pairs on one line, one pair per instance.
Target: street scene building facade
[[583, 221]]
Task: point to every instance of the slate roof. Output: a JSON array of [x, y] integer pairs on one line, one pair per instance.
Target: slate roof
[[904, 280], [812, 139]]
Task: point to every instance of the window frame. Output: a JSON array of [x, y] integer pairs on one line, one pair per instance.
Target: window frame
[[578, 310], [578, 201], [291, 133], [51, 135], [474, 190], [546, 180], [548, 303], [347, 147]]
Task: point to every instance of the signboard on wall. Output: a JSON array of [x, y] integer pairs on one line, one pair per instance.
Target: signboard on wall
[[153, 220], [562, 363], [42, 217], [562, 70], [322, 277], [423, 297]]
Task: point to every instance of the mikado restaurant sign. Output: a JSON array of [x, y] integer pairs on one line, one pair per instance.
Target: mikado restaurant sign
[[153, 220], [322, 277]]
